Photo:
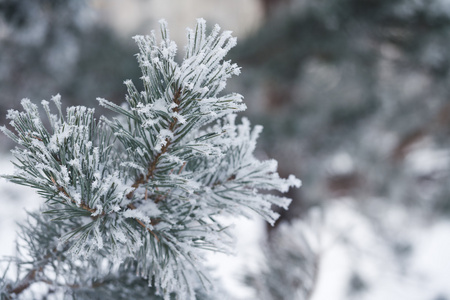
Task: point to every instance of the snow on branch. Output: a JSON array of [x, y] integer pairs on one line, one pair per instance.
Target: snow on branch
[[141, 191]]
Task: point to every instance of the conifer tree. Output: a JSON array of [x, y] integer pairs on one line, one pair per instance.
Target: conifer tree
[[131, 202]]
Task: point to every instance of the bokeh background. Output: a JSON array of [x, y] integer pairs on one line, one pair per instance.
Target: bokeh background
[[354, 97]]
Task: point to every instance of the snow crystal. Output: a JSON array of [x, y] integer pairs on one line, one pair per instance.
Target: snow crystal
[[137, 214], [75, 163], [12, 114], [179, 117], [293, 181], [56, 99], [98, 237], [132, 165], [98, 210], [149, 208], [65, 175], [160, 104]]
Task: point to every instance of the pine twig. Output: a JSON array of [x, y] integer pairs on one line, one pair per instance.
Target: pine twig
[[152, 166], [81, 205]]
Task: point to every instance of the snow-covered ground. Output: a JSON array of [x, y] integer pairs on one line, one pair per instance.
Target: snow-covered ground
[[348, 243], [352, 243]]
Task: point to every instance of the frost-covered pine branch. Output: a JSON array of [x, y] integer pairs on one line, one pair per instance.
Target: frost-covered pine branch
[[131, 202]]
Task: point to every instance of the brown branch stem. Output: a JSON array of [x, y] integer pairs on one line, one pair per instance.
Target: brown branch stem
[[153, 222], [30, 277], [153, 164], [25, 283], [81, 205]]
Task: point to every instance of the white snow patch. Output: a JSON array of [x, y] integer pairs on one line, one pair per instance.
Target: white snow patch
[[14, 201]]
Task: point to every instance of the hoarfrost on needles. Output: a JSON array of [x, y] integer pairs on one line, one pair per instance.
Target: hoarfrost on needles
[[143, 190]]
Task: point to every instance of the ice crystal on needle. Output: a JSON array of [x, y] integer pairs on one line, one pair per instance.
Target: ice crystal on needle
[[142, 190]]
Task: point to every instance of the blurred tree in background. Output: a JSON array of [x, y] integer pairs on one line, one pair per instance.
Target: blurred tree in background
[[50, 46], [354, 96], [351, 92]]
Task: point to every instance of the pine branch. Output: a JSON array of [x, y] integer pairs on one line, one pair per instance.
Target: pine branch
[[152, 166], [97, 177], [81, 205]]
